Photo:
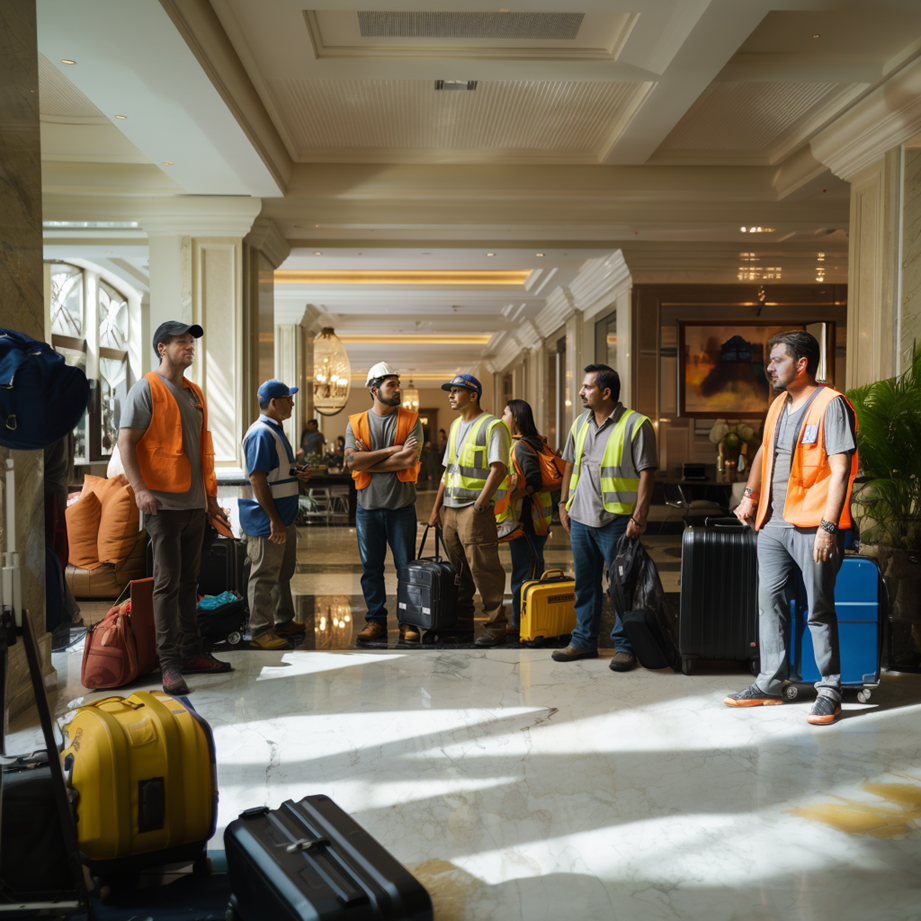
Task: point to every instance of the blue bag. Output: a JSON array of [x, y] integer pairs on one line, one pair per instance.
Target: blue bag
[[41, 397]]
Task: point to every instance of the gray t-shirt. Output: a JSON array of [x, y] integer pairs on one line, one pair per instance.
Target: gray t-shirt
[[137, 414], [497, 450], [385, 490], [839, 439], [587, 505]]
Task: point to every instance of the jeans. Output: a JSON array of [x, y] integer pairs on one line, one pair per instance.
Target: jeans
[[591, 549], [781, 552], [521, 564], [376, 529]]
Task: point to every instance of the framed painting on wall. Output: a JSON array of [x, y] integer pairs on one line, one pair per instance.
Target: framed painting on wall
[[722, 367]]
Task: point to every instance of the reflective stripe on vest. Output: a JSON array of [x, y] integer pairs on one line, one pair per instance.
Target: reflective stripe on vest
[[620, 481], [466, 474], [163, 462], [810, 472], [541, 502], [281, 483], [361, 428]]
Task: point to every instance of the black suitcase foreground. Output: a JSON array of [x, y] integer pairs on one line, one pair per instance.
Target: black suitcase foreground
[[719, 593], [310, 861], [427, 593]]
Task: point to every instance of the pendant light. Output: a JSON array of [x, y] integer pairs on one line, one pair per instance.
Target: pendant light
[[332, 373], [411, 397]]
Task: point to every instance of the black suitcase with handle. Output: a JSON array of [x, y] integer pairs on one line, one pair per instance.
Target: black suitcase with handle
[[719, 593], [427, 592], [310, 861]]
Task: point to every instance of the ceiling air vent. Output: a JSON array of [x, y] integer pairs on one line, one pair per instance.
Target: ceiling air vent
[[532, 26], [455, 84]]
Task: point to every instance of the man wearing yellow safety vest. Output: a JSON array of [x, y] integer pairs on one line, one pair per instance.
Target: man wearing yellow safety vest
[[382, 449], [607, 487], [798, 498], [476, 477]]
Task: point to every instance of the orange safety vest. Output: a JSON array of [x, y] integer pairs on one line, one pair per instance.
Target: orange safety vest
[[406, 420], [540, 501], [810, 473], [164, 465]]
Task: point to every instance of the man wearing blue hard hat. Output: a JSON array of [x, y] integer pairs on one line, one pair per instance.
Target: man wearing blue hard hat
[[268, 518]]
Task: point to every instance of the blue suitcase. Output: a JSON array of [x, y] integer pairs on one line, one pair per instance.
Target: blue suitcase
[[860, 630]]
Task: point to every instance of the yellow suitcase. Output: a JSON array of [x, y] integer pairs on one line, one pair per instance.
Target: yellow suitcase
[[548, 607], [144, 772]]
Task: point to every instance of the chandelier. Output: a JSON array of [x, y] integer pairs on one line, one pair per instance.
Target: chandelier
[[411, 397], [332, 376]]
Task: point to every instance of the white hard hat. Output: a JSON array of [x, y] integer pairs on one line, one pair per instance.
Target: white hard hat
[[381, 369]]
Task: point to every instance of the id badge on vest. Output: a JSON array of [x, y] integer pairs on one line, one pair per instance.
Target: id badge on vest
[[810, 435]]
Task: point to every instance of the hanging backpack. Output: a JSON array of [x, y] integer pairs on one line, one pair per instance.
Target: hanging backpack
[[552, 467], [41, 397]]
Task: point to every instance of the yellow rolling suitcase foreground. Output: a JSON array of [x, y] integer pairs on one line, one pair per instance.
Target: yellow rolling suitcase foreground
[[144, 772], [548, 607]]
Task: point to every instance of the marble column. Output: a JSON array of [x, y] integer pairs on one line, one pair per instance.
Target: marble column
[[910, 320], [22, 297], [290, 365]]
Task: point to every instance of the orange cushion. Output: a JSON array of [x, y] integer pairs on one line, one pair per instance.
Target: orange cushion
[[119, 522], [82, 528]]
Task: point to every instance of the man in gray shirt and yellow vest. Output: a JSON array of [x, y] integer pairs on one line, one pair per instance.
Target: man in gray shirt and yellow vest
[[382, 449], [472, 497], [166, 450], [798, 497], [607, 487]]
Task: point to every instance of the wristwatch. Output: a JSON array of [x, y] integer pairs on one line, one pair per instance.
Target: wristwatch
[[828, 526], [479, 508]]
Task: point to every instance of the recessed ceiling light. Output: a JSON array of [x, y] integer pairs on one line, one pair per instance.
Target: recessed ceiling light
[[108, 252], [816, 35], [538, 254], [167, 162], [67, 61], [123, 117], [743, 229], [318, 254], [490, 254]]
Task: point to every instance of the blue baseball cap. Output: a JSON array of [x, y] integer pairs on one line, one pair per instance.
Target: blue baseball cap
[[464, 380], [271, 390]]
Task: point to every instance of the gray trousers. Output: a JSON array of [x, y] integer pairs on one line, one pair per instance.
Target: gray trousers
[[176, 539], [269, 591], [781, 552]]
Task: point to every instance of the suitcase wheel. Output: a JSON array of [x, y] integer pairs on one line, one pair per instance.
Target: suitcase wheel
[[686, 666], [791, 692], [235, 638], [864, 694]]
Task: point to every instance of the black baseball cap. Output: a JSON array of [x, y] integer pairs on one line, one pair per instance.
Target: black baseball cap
[[166, 331]]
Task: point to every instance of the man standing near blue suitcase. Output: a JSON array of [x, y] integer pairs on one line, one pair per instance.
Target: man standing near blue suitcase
[[798, 498], [607, 488]]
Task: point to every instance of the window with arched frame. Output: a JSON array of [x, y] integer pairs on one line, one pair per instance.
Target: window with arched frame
[[90, 328]]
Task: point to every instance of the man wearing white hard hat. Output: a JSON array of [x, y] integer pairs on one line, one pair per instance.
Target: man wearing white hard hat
[[382, 450]]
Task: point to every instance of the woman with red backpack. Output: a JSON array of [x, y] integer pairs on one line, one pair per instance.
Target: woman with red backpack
[[535, 476]]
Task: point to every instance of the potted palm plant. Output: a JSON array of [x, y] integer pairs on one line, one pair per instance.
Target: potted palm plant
[[887, 494]]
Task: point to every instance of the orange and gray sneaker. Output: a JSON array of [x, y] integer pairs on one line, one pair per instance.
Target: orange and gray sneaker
[[752, 696], [269, 640], [824, 711]]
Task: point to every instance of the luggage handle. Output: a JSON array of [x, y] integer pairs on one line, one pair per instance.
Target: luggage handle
[[552, 572], [438, 558], [729, 524], [131, 704], [305, 844]]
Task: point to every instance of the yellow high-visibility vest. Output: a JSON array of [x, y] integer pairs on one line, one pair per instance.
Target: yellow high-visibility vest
[[620, 481], [465, 476]]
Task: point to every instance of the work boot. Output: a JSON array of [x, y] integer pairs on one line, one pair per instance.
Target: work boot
[[489, 639], [409, 634], [622, 662], [269, 640], [373, 632], [173, 682], [572, 653], [292, 628]]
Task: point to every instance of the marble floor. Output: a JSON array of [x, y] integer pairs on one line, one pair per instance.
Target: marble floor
[[519, 788]]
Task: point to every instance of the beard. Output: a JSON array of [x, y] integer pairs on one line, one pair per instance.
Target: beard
[[393, 401]]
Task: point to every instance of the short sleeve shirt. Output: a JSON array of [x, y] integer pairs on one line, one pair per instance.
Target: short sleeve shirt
[[261, 453], [137, 414], [497, 451], [386, 490], [587, 506], [840, 438]]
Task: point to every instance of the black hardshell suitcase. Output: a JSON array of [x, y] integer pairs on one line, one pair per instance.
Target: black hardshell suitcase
[[223, 568], [310, 861], [427, 592], [719, 593]]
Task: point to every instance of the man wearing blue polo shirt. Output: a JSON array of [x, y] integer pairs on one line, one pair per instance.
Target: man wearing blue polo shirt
[[267, 519]]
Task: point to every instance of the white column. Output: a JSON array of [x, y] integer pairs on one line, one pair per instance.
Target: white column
[[289, 362]]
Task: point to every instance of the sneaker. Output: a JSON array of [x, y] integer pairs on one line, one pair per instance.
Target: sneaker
[[205, 664], [290, 629], [489, 639], [572, 653], [269, 640], [410, 634], [622, 662], [373, 632], [173, 682], [824, 711], [752, 696]]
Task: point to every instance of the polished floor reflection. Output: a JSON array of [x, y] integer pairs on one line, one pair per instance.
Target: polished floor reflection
[[520, 788]]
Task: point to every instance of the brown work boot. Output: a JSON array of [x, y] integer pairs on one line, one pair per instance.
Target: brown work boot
[[373, 632], [292, 628], [410, 634], [572, 653], [622, 662], [269, 640]]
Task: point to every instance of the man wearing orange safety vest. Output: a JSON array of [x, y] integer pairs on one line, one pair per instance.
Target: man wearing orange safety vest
[[798, 496], [166, 450], [382, 450]]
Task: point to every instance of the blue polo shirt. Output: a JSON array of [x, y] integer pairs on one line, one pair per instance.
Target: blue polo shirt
[[261, 453]]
